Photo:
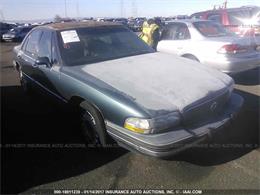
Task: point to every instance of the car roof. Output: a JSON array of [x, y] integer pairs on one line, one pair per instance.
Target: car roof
[[74, 25], [227, 9], [25, 26], [187, 21]]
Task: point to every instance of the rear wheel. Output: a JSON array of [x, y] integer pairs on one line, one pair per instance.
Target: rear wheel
[[191, 57]]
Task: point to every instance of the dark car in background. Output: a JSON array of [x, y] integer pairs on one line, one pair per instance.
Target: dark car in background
[[136, 24], [122, 21], [4, 28], [17, 34], [244, 21]]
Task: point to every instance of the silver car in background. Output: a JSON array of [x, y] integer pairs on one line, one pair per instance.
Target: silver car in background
[[211, 44]]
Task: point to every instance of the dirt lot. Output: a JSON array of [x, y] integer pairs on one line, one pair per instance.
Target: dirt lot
[[29, 160]]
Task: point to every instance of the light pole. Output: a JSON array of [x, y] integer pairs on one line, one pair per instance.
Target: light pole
[[65, 4]]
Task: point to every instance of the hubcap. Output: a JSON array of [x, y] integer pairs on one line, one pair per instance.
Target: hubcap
[[91, 118], [21, 74], [90, 132]]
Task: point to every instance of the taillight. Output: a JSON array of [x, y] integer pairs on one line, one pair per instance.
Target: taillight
[[232, 49]]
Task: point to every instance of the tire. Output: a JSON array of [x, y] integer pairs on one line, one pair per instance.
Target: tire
[[191, 57], [93, 127]]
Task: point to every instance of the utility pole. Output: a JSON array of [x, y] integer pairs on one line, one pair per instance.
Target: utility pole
[[78, 15], [134, 8], [65, 7], [225, 4], [122, 7], [2, 16]]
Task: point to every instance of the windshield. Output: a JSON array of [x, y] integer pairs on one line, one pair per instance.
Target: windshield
[[90, 45], [14, 30], [211, 29], [19, 30]]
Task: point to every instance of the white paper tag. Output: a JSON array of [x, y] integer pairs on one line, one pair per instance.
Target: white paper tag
[[69, 36]]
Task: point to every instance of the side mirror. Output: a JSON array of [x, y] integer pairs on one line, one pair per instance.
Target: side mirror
[[43, 61]]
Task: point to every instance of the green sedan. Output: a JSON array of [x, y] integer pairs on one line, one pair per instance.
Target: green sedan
[[151, 102]]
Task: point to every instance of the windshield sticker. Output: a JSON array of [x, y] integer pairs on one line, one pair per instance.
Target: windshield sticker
[[69, 36]]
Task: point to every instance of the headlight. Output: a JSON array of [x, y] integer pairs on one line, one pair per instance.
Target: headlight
[[9, 35], [138, 125], [156, 125]]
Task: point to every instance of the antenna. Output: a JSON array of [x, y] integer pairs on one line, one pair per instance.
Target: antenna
[[65, 7], [77, 9]]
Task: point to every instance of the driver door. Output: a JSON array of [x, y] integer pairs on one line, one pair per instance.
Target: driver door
[[49, 75]]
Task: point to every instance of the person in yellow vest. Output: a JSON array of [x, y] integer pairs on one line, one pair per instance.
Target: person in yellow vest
[[150, 33]]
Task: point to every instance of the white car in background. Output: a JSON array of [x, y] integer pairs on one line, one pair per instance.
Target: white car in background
[[211, 44]]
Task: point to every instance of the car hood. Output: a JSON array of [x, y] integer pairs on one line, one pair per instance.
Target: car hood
[[159, 81]]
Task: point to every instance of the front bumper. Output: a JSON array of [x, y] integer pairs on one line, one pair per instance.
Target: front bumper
[[9, 39], [169, 143]]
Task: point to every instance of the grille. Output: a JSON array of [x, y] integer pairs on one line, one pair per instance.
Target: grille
[[203, 111]]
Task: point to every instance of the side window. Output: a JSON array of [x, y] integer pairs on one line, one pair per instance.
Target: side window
[[45, 44], [216, 18], [176, 32], [32, 45], [24, 44], [169, 32], [182, 32], [54, 51]]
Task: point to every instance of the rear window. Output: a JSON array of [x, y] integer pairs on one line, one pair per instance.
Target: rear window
[[211, 29]]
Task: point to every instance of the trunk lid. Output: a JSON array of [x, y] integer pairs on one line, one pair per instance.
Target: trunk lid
[[249, 43]]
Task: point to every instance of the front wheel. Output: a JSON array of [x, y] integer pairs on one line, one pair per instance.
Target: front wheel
[[93, 128]]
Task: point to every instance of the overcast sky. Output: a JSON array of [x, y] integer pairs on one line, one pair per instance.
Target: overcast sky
[[47, 9]]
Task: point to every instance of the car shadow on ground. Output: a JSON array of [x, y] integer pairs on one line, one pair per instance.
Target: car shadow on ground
[[250, 77], [34, 120], [41, 143], [232, 142]]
